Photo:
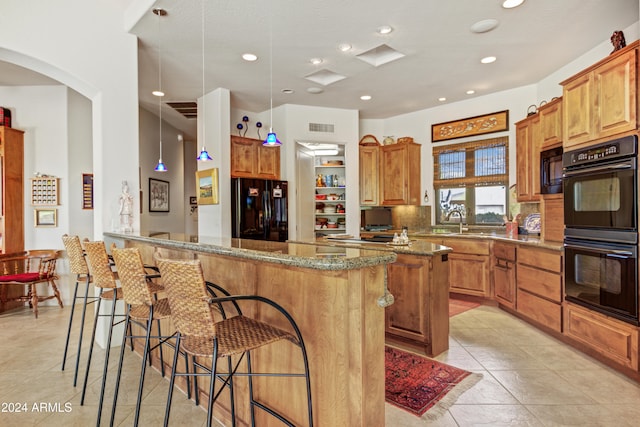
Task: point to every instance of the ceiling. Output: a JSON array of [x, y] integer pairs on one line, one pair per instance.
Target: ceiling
[[441, 54]]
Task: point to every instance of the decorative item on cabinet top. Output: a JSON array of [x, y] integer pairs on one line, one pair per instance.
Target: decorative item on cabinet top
[[369, 140], [44, 190]]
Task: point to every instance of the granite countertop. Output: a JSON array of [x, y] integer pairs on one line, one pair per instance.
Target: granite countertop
[[285, 253], [415, 246]]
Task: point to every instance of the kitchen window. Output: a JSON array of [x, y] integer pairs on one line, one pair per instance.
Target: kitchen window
[[471, 181]]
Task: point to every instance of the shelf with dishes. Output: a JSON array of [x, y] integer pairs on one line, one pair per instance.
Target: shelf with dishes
[[330, 195]]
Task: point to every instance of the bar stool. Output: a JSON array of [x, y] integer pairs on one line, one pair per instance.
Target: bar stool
[[78, 266], [104, 278], [200, 334], [143, 308]]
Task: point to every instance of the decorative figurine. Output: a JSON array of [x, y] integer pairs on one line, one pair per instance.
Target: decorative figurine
[[126, 209], [617, 40]]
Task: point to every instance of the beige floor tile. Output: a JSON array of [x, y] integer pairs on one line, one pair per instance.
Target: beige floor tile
[[396, 417], [559, 357], [483, 337], [504, 357], [541, 387], [488, 391], [493, 415], [603, 385], [580, 415]]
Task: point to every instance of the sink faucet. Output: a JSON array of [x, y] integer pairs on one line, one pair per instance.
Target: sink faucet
[[456, 211]]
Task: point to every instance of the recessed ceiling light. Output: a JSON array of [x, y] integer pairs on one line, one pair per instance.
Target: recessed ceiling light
[[316, 61], [249, 57], [385, 29], [344, 47], [365, 97], [510, 4], [315, 90], [488, 59], [442, 99], [288, 91], [484, 26], [158, 93], [471, 92]]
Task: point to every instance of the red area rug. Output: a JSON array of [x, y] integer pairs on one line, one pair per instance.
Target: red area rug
[[457, 306], [415, 383]]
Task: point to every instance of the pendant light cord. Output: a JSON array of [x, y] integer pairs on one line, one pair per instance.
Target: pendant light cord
[[271, 68], [204, 126], [160, 79]]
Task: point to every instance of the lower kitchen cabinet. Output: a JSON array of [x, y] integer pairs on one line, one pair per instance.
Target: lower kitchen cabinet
[[469, 267], [504, 274], [539, 286], [610, 337], [420, 312]]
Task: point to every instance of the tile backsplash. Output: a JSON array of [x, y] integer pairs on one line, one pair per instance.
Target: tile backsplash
[[417, 218]]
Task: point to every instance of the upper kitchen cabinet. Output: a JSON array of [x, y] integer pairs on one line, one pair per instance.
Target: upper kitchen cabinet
[[369, 152], [551, 124], [601, 101], [528, 143], [399, 173], [250, 159]]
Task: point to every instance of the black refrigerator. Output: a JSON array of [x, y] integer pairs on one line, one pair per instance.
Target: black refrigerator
[[259, 209]]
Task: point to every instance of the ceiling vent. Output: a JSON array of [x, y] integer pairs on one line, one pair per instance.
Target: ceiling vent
[[187, 109], [380, 55], [321, 127], [325, 77]]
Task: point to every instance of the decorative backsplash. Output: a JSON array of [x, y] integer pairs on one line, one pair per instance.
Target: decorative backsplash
[[417, 218]]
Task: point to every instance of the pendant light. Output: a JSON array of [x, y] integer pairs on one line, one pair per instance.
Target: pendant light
[[272, 140], [160, 167], [204, 154]]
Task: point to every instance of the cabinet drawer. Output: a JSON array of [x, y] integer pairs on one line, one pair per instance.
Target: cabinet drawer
[[504, 251], [540, 282], [614, 339], [540, 258], [465, 246], [542, 311]]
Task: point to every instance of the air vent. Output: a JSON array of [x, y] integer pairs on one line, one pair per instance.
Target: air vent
[[187, 109], [321, 127]]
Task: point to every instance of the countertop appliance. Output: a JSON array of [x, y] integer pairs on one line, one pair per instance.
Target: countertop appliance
[[551, 171], [601, 228], [259, 209]]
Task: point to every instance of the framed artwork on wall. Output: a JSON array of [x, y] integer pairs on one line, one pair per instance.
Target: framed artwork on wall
[[207, 183], [158, 195], [45, 217]]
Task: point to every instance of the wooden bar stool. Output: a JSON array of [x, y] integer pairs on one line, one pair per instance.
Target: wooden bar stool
[[143, 308], [205, 331], [104, 278], [78, 266]]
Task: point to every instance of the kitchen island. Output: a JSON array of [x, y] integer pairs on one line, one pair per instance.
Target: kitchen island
[[419, 282], [336, 295]]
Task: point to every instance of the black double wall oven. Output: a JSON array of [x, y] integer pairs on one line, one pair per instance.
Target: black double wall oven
[[600, 185]]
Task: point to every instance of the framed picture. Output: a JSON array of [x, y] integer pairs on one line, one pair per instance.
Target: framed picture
[[45, 217], [471, 126], [87, 191], [207, 183], [158, 195]]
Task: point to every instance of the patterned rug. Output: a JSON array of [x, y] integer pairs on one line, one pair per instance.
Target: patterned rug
[[415, 383], [457, 306]]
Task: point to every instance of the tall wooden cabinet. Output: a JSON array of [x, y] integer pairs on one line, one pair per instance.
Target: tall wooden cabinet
[[369, 161], [400, 173], [528, 144], [601, 101], [251, 159], [12, 190]]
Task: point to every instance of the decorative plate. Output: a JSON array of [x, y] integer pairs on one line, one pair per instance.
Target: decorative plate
[[532, 223]]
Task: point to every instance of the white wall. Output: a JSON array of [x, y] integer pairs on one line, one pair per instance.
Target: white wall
[[173, 156]]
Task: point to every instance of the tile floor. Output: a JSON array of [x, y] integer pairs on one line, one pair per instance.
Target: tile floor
[[528, 379]]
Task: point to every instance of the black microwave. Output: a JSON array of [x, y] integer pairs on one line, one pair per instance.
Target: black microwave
[[551, 171]]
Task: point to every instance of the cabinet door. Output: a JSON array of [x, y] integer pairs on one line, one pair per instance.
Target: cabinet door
[[578, 104], [268, 162], [469, 274], [528, 159], [504, 282], [394, 175], [615, 95], [551, 124], [369, 156], [408, 316], [243, 157]]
